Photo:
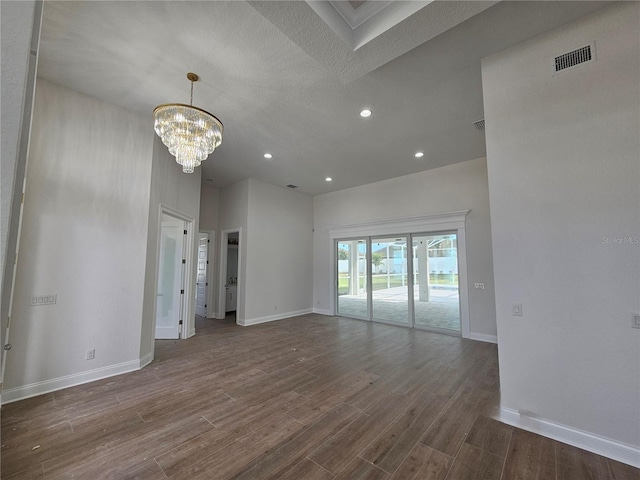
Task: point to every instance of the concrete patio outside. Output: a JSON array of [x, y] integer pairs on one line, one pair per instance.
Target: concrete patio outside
[[391, 305]]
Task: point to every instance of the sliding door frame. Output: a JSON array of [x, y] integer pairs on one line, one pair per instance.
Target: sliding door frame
[[409, 286], [460, 303], [335, 303], [442, 222]]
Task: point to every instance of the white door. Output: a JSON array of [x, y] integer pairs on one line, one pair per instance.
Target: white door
[[170, 280], [202, 282]]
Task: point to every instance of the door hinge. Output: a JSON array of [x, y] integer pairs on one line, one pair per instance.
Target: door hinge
[[180, 322], [22, 201], [205, 305], [185, 232], [207, 262], [182, 292], [208, 241], [206, 284], [184, 260]]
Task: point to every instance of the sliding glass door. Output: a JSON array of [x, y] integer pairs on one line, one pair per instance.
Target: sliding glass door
[[352, 278], [436, 298], [409, 280], [389, 280]]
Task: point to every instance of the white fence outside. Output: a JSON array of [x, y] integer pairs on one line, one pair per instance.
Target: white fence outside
[[445, 265]]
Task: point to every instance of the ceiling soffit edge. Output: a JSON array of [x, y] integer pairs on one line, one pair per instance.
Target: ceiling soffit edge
[[357, 27], [302, 25]]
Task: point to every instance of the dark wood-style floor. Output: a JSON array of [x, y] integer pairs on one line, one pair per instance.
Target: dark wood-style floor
[[300, 399]]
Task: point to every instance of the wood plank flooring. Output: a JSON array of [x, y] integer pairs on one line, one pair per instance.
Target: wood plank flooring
[[310, 398]]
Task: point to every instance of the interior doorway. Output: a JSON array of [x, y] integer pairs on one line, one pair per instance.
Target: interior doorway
[[173, 270], [203, 274], [230, 273]]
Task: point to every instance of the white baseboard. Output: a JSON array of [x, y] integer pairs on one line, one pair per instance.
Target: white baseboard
[[606, 447], [47, 386], [273, 318], [322, 311], [147, 359], [481, 337]]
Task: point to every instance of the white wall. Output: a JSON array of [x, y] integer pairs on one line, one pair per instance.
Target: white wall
[[17, 29], [83, 238], [179, 191], [209, 213], [279, 281], [232, 263], [460, 186], [209, 207], [564, 176], [20, 38], [234, 204]]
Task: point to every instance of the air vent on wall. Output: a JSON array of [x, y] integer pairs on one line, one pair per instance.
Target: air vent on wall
[[479, 124], [292, 186], [576, 57]]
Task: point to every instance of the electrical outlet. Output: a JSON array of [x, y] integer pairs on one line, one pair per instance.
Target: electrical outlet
[[479, 285], [516, 309], [635, 320], [90, 354]]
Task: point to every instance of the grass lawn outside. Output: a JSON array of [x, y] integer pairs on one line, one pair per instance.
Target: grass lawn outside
[[395, 280]]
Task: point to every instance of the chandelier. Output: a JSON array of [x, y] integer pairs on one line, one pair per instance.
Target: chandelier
[[190, 133]]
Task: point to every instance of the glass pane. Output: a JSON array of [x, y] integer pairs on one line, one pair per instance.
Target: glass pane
[[352, 278], [435, 285], [389, 279], [169, 279]]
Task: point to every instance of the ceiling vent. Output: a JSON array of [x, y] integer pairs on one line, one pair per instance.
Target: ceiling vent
[[292, 186], [572, 59], [479, 124]]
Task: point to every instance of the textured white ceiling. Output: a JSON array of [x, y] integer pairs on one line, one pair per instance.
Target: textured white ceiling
[[282, 82]]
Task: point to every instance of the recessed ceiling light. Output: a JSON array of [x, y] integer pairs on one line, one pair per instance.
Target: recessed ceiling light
[[419, 154], [365, 113], [328, 179], [268, 155]]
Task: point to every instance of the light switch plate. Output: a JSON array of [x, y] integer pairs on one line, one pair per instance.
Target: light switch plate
[[516, 309], [635, 320]]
